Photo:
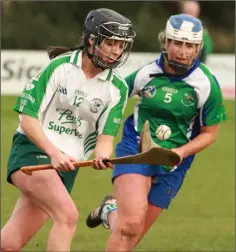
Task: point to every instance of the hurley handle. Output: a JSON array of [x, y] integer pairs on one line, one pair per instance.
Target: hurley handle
[[29, 169]]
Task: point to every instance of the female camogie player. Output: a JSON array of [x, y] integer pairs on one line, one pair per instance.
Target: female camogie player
[[177, 91], [73, 106]]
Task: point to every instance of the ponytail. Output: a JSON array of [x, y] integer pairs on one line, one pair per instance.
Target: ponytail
[[54, 51], [161, 38]]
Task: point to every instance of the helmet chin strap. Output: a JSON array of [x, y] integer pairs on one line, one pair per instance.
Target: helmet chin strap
[[97, 60], [178, 67]]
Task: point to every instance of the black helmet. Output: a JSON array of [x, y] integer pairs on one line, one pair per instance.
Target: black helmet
[[105, 23]]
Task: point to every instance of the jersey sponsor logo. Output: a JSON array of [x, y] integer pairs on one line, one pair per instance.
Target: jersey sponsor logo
[[29, 86], [63, 130], [66, 117], [82, 93], [95, 105], [28, 97], [170, 90], [62, 90], [117, 120], [149, 91], [23, 102], [188, 100]]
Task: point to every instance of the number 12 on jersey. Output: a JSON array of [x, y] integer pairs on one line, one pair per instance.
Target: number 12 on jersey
[[77, 101]]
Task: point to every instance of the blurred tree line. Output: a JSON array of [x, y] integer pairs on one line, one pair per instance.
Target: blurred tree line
[[37, 24]]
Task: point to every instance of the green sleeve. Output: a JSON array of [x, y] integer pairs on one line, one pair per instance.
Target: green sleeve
[[30, 100], [114, 112]]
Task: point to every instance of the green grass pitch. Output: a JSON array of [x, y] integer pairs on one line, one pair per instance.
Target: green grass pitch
[[200, 218]]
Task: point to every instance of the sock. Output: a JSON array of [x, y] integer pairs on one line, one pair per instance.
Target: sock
[[106, 210]]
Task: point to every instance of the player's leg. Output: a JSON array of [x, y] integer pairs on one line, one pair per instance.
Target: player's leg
[[153, 213], [163, 190], [46, 190], [131, 192], [106, 214], [109, 208], [24, 222], [131, 185]]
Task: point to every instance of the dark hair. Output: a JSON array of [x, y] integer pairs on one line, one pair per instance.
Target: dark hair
[[54, 51]]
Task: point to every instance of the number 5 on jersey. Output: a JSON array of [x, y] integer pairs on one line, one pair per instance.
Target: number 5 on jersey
[[168, 98]]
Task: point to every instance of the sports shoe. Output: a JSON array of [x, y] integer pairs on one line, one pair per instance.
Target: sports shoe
[[97, 217]]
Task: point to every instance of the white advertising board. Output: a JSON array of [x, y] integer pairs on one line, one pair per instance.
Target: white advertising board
[[18, 66]]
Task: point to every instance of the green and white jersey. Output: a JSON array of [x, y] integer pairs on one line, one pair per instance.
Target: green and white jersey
[[184, 104], [71, 109]]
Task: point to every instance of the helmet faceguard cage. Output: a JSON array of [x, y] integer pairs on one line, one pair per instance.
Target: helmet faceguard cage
[[116, 27], [186, 29]]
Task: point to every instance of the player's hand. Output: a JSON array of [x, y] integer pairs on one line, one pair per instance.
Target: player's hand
[[62, 162], [180, 153], [99, 163]]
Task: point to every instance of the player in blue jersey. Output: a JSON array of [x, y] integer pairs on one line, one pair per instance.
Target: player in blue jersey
[[177, 91]]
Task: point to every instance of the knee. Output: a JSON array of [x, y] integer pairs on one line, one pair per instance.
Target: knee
[[131, 229], [70, 217], [67, 216]]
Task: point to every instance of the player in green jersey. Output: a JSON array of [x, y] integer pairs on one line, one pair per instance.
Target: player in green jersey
[[181, 93], [71, 108]]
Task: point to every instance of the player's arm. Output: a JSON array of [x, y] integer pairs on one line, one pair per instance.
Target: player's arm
[[206, 137], [104, 149], [32, 102], [212, 114], [34, 132], [109, 124]]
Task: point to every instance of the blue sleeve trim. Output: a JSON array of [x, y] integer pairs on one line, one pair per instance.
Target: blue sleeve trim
[[130, 85], [130, 89], [216, 82]]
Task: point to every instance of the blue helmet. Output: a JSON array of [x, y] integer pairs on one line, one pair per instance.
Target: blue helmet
[[184, 28]]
